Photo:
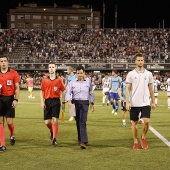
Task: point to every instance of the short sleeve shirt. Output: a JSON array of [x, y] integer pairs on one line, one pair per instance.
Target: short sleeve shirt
[[139, 93], [52, 88], [8, 81]]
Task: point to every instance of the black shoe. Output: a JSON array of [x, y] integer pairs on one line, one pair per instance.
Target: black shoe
[[2, 149], [54, 142], [12, 140], [82, 145], [51, 135]]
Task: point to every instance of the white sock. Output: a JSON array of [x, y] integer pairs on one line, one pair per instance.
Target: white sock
[[103, 99], [123, 120], [156, 101], [168, 101]]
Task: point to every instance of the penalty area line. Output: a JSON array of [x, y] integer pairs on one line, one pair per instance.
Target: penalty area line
[[160, 136]]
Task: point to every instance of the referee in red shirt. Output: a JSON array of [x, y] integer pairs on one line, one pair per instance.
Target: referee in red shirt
[[9, 94], [50, 92]]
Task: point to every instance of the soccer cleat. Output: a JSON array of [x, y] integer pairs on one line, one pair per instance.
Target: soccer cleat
[[107, 104], [124, 124], [54, 142], [33, 97], [113, 111], [71, 119], [143, 143], [51, 135], [2, 149], [136, 146], [29, 97], [82, 145], [12, 140]]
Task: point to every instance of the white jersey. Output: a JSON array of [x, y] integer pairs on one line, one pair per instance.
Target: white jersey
[[106, 84], [139, 94], [155, 85], [168, 84]]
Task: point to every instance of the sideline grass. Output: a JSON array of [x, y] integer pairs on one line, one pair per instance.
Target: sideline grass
[[110, 145]]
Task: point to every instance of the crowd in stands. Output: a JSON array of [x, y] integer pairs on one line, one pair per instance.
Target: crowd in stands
[[94, 45]]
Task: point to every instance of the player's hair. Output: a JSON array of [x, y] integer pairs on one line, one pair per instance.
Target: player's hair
[[51, 62], [3, 56], [114, 71], [138, 55], [70, 68], [80, 68]]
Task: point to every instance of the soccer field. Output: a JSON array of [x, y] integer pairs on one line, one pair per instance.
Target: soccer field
[[110, 145]]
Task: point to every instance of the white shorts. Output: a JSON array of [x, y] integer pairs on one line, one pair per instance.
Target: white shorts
[[105, 90], [155, 94]]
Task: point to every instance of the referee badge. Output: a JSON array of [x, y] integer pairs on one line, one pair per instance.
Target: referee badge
[[9, 82], [55, 88]]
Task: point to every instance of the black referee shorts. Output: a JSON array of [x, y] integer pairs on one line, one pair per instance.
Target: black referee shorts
[[52, 108], [6, 109]]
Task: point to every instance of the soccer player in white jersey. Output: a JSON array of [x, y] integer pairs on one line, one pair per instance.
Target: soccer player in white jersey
[[139, 98], [155, 87], [106, 83], [168, 91], [113, 94]]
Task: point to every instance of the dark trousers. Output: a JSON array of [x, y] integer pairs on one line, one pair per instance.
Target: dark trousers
[[81, 107]]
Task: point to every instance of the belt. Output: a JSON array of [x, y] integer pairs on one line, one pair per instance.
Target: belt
[[80, 100]]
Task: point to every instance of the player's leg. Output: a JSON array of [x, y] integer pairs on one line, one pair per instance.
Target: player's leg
[[145, 115], [156, 99], [134, 120], [168, 94], [103, 99], [123, 114], [117, 98], [55, 116], [11, 128], [2, 135], [10, 115]]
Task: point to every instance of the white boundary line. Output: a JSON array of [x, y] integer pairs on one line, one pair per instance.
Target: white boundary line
[[159, 136]]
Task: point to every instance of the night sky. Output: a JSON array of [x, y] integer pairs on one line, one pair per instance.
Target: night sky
[[130, 13]]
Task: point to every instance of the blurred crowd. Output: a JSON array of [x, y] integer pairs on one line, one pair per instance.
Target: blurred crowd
[[94, 45]]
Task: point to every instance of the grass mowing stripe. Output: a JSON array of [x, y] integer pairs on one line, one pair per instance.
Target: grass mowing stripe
[[159, 136]]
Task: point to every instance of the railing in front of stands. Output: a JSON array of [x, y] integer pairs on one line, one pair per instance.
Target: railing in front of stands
[[85, 61]]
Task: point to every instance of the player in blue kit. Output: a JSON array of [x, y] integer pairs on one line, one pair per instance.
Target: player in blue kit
[[113, 94]]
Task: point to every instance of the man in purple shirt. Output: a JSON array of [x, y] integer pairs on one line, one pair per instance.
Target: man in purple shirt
[[80, 93]]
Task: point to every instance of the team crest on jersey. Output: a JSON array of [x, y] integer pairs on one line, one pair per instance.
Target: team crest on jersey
[[9, 82], [55, 88]]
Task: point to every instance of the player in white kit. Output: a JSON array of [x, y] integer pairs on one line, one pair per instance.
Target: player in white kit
[[139, 98], [155, 87], [106, 82]]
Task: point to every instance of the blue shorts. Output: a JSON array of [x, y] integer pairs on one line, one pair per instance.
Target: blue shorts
[[113, 96]]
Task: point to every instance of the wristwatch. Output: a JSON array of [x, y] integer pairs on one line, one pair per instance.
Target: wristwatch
[[16, 100]]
